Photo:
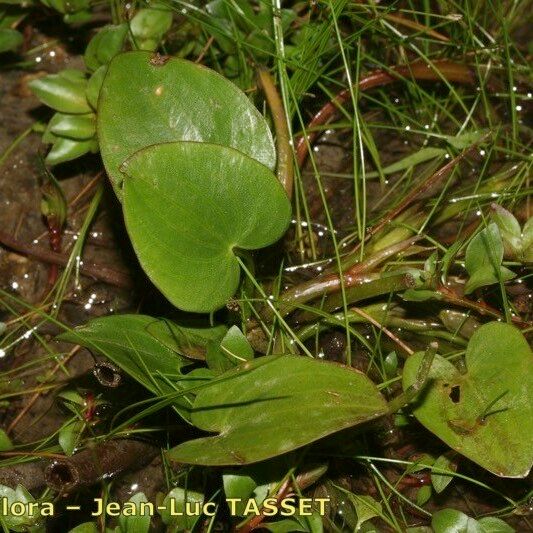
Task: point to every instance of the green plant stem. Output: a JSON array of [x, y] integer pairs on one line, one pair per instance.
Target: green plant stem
[[421, 378], [379, 313], [358, 288], [285, 165], [353, 277]]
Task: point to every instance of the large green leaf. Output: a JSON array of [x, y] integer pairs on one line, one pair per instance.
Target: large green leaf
[[486, 413], [275, 404], [127, 342], [216, 200], [146, 99]]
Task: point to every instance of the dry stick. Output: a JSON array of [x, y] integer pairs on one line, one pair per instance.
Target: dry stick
[[100, 272], [285, 166], [418, 70], [408, 23], [385, 330], [86, 189], [91, 465], [205, 49], [29, 475]]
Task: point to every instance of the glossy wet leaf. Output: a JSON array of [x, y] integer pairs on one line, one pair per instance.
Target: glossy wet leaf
[[5, 442], [138, 521], [452, 521], [64, 92], [510, 231], [217, 200], [77, 127], [256, 481], [492, 524], [527, 241], [69, 436], [439, 480], [275, 404], [149, 25], [65, 149], [366, 508], [483, 259], [94, 84], [105, 45], [146, 99], [423, 495], [126, 341], [486, 413], [180, 520]]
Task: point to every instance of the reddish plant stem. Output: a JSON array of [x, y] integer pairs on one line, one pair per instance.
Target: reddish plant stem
[[439, 70], [55, 234], [100, 272], [479, 307], [257, 520]]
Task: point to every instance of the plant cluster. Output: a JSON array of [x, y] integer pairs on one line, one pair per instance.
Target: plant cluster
[[426, 291]]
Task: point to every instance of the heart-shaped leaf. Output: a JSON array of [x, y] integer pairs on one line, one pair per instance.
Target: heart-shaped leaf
[[188, 206], [487, 413], [275, 404], [146, 99]]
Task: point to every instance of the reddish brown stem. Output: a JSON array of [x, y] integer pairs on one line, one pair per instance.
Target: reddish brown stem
[[480, 307], [100, 272], [257, 520], [54, 237], [437, 71]]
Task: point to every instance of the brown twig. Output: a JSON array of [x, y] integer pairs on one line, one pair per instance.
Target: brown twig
[[205, 49], [437, 71], [34, 398], [100, 272], [385, 330], [91, 465], [479, 307]]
